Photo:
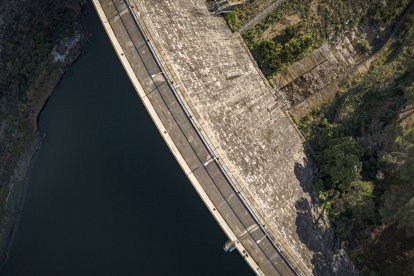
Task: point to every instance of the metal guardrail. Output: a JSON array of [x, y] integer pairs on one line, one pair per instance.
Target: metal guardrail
[[189, 114]]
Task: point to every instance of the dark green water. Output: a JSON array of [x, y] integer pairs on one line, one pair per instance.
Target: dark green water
[[106, 196]]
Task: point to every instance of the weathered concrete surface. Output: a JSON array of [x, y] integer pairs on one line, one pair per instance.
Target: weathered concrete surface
[[254, 139]]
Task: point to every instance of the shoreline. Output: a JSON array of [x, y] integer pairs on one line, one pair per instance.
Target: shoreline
[[44, 86], [19, 190]]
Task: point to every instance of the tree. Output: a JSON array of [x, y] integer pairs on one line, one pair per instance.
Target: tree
[[341, 163], [398, 199], [409, 93], [406, 220], [290, 32], [291, 50], [269, 53], [232, 21], [398, 207], [306, 41], [353, 207], [398, 148]]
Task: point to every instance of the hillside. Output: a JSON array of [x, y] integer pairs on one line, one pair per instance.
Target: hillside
[[351, 64], [296, 27], [38, 41], [364, 146]]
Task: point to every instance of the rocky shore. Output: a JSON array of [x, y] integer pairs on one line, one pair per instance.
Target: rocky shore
[[38, 43]]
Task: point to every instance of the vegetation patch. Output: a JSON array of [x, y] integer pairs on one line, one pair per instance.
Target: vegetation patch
[[29, 31], [365, 156], [244, 13], [316, 20], [274, 56]]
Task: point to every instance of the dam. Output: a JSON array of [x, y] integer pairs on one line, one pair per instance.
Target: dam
[[223, 124]]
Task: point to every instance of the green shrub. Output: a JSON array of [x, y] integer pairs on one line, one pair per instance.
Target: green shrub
[[272, 56], [232, 21]]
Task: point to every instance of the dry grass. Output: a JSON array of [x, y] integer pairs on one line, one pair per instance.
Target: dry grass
[[278, 28]]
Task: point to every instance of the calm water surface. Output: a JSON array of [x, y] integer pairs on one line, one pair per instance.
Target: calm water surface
[[106, 196]]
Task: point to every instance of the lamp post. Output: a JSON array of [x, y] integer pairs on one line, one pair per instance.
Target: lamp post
[[261, 239], [209, 161], [156, 74]]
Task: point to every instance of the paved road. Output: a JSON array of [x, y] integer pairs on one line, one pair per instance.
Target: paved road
[[187, 140]]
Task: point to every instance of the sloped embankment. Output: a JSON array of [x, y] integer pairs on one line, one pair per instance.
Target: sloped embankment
[[38, 41]]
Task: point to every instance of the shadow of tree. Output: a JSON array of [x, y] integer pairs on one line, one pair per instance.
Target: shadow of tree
[[328, 258], [399, 249], [313, 230], [305, 173]]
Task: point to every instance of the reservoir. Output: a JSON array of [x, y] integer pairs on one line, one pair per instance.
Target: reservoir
[[106, 196]]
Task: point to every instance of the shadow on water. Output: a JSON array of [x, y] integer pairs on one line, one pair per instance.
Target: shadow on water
[[106, 195], [312, 228]]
